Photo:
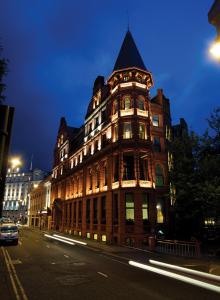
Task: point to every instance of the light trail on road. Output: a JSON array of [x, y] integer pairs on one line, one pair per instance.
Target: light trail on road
[[58, 239], [182, 278], [185, 270], [68, 239]]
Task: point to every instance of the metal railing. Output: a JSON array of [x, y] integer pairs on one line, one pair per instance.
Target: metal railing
[[181, 248]]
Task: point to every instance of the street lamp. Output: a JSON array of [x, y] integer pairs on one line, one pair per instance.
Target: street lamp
[[214, 50], [214, 19], [15, 162]]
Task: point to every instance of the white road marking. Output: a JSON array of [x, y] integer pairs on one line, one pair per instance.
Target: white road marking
[[121, 262], [199, 283], [48, 246], [53, 263], [66, 256], [20, 243], [102, 274], [16, 261]]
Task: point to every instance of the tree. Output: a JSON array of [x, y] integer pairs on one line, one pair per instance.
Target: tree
[[196, 177]]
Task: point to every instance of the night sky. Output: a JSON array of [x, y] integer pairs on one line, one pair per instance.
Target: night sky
[[57, 48]]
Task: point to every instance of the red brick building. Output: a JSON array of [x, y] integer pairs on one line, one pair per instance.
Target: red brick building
[[110, 177]]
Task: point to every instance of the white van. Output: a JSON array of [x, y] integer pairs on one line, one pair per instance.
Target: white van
[[9, 233]]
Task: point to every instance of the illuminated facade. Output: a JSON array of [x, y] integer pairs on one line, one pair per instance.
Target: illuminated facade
[[110, 177], [17, 192], [38, 210]]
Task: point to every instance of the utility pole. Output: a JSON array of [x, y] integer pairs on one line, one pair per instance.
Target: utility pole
[[6, 119]]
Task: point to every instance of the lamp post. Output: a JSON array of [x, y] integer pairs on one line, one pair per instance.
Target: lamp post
[[6, 119]]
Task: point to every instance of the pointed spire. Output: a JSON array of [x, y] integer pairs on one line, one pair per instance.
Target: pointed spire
[[129, 55]]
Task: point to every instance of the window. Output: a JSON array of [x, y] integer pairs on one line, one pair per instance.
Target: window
[[97, 178], [96, 121], [156, 145], [115, 132], [156, 120], [74, 213], [80, 211], [128, 166], [140, 104], [104, 115], [127, 131], [115, 209], [95, 211], [143, 166], [126, 77], [142, 131], [90, 179], [159, 176], [105, 176], [116, 168], [103, 210], [115, 107], [129, 208], [127, 103], [160, 210], [88, 211], [145, 201]]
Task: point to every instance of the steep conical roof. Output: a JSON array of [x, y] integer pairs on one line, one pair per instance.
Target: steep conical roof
[[129, 55]]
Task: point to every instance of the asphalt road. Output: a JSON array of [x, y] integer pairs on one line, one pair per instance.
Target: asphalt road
[[47, 269]]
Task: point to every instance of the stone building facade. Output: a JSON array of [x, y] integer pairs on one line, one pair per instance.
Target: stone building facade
[[17, 192], [39, 213], [110, 177]]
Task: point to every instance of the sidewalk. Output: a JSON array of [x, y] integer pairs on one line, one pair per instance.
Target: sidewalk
[[203, 263]]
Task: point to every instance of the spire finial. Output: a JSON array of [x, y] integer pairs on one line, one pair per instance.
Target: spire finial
[[31, 164]]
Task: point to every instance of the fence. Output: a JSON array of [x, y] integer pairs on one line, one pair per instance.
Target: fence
[[181, 248]]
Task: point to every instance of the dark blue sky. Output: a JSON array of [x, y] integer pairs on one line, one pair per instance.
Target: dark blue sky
[[57, 48]]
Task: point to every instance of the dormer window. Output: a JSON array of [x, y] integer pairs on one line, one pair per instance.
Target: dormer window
[[126, 77]]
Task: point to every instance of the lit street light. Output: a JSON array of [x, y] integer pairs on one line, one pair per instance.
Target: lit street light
[[15, 162], [214, 19], [215, 50]]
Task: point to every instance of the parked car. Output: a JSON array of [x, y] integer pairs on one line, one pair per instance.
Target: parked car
[[9, 233], [5, 220]]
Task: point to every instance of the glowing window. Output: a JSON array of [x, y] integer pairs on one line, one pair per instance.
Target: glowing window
[[142, 131], [127, 102], [129, 207], [127, 131]]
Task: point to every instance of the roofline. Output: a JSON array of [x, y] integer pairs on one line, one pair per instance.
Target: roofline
[[132, 68]]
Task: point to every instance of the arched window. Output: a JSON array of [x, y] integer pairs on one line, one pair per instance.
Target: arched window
[[126, 104], [140, 104], [159, 175]]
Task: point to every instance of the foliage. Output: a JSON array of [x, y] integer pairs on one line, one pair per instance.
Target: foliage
[[196, 177]]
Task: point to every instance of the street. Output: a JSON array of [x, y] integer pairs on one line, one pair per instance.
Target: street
[[46, 269]]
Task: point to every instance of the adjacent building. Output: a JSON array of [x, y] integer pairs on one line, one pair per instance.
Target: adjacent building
[[17, 192], [39, 207], [110, 176]]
